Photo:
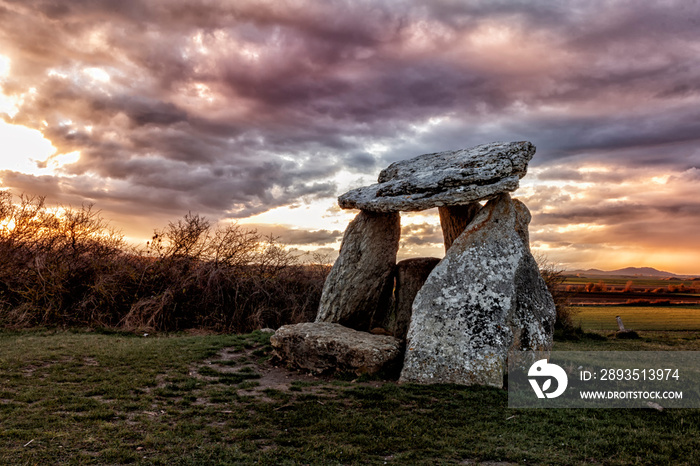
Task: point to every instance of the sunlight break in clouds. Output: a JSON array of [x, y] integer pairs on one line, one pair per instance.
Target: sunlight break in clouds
[[23, 149]]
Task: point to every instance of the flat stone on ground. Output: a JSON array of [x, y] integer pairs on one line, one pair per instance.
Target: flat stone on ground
[[327, 347]]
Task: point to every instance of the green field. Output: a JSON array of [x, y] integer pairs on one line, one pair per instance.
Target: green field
[[646, 318], [80, 397], [638, 282]]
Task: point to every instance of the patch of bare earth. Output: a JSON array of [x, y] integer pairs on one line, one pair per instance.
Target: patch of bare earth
[[272, 376]]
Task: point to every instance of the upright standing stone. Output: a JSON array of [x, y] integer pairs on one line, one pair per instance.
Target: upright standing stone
[[454, 219], [411, 274], [483, 299], [522, 223], [361, 280]]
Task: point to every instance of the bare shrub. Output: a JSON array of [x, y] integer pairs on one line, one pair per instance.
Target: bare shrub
[[595, 287], [51, 259], [67, 267], [628, 287], [227, 278], [554, 278], [677, 288]]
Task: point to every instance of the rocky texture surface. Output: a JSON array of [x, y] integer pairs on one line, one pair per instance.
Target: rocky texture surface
[[444, 179], [454, 219], [361, 280], [522, 221], [326, 347], [483, 299], [411, 274]]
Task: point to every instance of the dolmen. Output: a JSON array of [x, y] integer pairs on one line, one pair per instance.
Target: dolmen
[[452, 320]]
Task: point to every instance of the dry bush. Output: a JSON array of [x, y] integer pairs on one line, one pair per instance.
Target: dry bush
[[595, 287], [66, 267], [677, 288], [554, 277], [50, 260], [226, 278], [628, 287]]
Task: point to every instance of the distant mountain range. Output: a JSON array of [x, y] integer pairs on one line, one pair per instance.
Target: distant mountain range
[[627, 271]]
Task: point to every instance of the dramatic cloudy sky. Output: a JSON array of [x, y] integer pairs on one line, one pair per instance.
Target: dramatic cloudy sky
[[265, 111]]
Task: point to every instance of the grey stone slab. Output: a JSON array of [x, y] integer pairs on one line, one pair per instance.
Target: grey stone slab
[[411, 274], [444, 179], [361, 279], [326, 347]]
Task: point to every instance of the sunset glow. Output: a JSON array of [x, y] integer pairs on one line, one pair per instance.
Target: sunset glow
[[264, 112]]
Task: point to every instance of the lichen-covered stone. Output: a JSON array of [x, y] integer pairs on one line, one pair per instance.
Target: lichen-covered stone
[[361, 280], [411, 274], [325, 347], [522, 221], [454, 219], [444, 179], [483, 299]]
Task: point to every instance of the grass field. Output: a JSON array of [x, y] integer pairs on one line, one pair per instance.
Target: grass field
[[638, 282], [86, 397], [639, 318]]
